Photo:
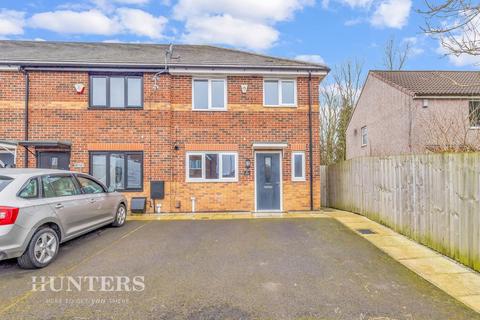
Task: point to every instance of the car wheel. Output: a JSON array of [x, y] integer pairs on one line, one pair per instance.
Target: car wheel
[[41, 251], [120, 217]]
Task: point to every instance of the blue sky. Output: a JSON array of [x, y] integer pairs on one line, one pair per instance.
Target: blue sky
[[319, 30]]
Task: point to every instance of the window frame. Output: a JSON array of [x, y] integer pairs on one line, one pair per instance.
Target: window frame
[[220, 166], [303, 177], [364, 144], [209, 93], [477, 125], [107, 76], [107, 164], [280, 93]]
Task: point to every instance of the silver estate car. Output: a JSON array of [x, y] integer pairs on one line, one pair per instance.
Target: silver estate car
[[41, 208]]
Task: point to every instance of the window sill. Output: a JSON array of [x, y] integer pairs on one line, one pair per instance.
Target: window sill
[[210, 110], [211, 181], [363, 145], [116, 109], [474, 128], [280, 106], [299, 180]]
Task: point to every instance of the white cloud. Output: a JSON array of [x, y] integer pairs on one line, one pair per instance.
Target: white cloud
[[392, 14], [11, 22], [415, 46], [464, 60], [231, 31], [315, 58], [123, 20], [72, 22], [249, 24], [358, 3], [141, 23], [272, 10]]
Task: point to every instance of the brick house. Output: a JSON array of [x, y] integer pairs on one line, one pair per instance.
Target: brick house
[[405, 112], [223, 130]]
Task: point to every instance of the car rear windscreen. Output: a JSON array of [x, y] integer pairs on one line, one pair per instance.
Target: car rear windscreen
[[4, 181]]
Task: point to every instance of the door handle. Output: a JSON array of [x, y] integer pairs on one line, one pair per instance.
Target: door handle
[[59, 206]]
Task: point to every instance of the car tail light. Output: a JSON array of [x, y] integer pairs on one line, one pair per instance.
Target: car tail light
[[8, 215]]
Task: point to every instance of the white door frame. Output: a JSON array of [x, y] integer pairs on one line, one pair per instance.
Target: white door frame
[[281, 179]]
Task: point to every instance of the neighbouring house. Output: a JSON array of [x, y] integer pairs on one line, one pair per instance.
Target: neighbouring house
[[404, 112], [212, 129]]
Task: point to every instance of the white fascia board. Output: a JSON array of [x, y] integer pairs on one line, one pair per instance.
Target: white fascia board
[[245, 71]]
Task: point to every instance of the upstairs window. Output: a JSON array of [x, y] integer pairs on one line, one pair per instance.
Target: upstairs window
[[211, 166], [116, 91], [279, 93], [209, 94], [364, 136], [474, 114]]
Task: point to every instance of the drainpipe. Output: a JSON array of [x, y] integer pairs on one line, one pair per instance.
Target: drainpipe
[[25, 118], [310, 133]]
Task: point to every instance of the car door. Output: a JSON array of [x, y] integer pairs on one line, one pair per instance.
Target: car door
[[70, 205], [100, 205]]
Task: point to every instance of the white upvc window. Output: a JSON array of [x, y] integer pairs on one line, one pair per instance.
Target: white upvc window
[[211, 166], [280, 92], [209, 94], [298, 166], [364, 136]]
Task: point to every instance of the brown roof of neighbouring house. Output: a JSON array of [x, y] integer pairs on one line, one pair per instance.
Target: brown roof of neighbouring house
[[433, 83], [98, 54]]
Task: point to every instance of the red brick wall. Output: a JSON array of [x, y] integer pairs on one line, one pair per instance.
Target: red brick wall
[[57, 112]]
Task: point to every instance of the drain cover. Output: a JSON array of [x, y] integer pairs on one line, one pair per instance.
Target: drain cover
[[366, 231]]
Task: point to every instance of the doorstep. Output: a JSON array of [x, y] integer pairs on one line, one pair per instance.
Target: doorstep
[[455, 279], [226, 216]]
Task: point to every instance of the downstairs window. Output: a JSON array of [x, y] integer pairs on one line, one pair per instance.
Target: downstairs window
[[211, 166]]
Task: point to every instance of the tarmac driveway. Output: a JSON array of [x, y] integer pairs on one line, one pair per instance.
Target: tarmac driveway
[[232, 269]]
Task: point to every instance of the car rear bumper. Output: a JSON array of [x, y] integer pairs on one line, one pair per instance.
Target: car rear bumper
[[12, 241]]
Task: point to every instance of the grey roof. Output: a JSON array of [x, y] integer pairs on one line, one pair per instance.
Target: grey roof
[[140, 55], [28, 171], [434, 83]]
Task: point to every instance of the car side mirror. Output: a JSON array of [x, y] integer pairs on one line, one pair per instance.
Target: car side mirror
[[111, 189]]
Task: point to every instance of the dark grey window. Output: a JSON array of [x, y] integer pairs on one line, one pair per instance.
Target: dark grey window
[[7, 159], [30, 190], [116, 91], [121, 169], [474, 113]]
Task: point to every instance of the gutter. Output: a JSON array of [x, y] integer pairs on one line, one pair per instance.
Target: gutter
[[26, 111], [155, 65], [310, 136]]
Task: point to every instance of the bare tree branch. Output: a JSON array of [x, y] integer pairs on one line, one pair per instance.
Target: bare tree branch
[[455, 23]]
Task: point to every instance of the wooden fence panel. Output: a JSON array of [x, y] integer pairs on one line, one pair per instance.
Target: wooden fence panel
[[433, 199]]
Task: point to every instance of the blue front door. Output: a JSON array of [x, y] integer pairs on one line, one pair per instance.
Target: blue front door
[[268, 181]]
